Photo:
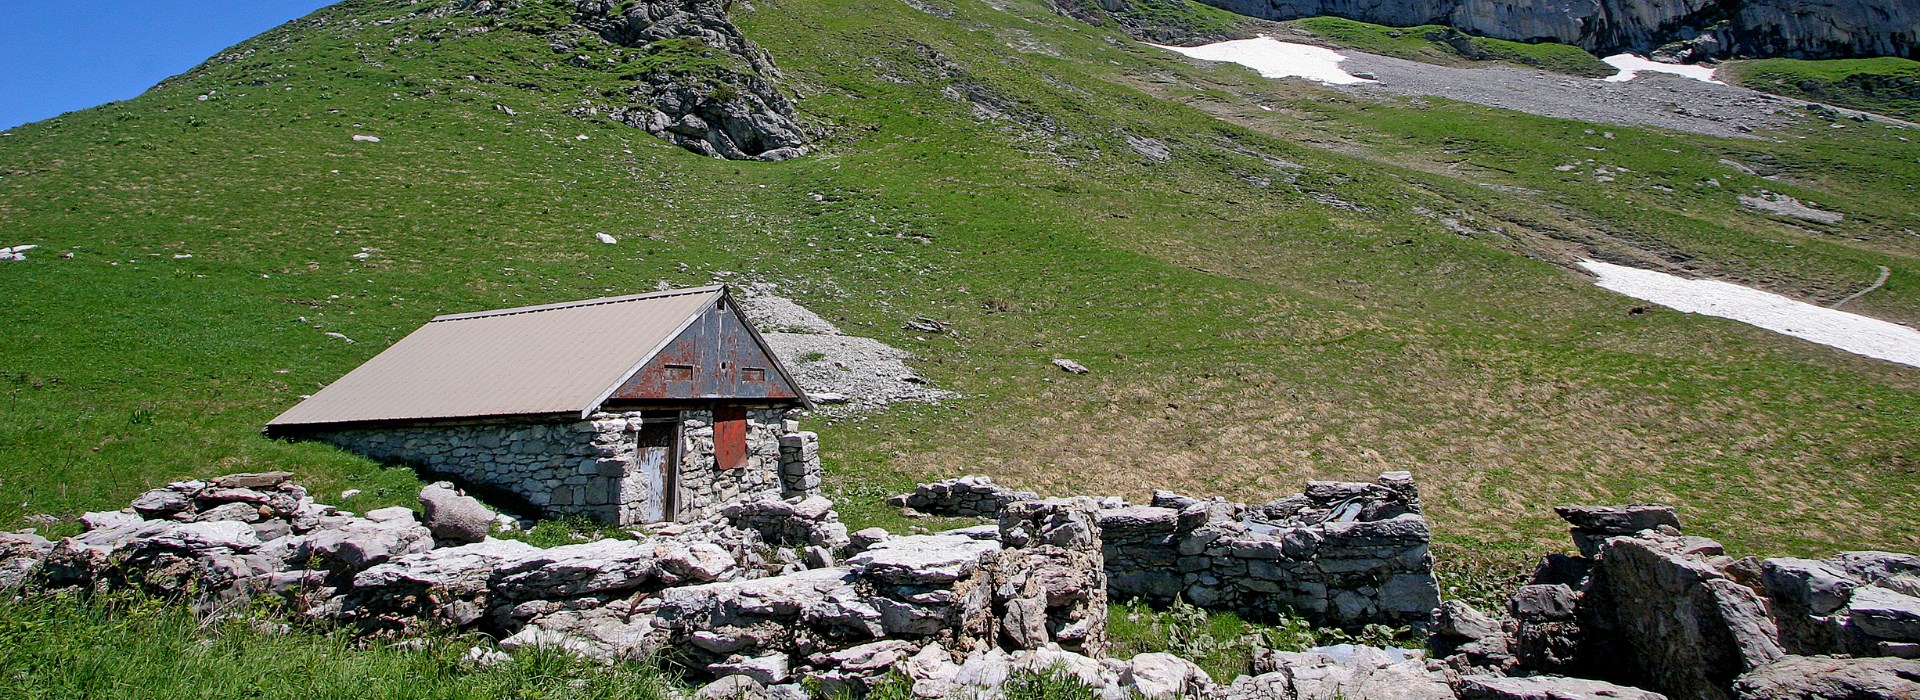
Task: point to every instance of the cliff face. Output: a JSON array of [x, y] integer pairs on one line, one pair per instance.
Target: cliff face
[[1796, 28]]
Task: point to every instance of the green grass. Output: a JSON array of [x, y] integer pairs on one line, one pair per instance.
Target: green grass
[[1433, 43], [126, 646], [1250, 325], [1885, 85]]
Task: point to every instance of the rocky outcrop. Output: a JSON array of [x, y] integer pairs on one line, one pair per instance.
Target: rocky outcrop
[[719, 99], [1707, 28]]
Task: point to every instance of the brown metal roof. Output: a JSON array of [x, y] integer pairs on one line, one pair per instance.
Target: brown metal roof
[[557, 358]]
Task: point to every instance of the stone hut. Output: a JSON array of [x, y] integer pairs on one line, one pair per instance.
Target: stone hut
[[634, 409]]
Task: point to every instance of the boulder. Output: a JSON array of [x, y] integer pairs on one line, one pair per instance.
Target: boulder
[[607, 633], [732, 688], [602, 566], [454, 517], [1594, 524], [256, 480], [1821, 678], [1351, 671], [448, 585], [1156, 675], [1547, 688], [1686, 629], [108, 519], [771, 669], [923, 560], [353, 544], [697, 562], [20, 556], [1882, 613]]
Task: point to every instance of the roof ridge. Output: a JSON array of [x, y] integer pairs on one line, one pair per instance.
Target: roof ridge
[[577, 304]]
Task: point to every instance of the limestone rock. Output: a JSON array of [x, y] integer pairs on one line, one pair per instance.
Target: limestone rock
[[1820, 678], [1885, 614], [453, 517], [732, 688], [1156, 675], [923, 560], [108, 519], [1547, 688], [1688, 630], [605, 633], [570, 571], [1593, 524], [1350, 671], [353, 544]]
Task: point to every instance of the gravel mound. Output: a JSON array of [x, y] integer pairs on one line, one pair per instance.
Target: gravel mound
[[1652, 99], [841, 373]]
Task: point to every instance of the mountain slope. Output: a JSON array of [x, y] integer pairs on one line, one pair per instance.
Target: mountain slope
[[1327, 287]]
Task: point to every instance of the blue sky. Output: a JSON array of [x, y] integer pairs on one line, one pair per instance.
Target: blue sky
[[57, 56]]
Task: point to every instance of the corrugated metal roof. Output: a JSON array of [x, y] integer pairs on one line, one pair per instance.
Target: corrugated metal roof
[[557, 358]]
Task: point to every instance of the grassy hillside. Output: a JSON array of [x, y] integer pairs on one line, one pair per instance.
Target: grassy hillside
[[1311, 286], [1885, 85]]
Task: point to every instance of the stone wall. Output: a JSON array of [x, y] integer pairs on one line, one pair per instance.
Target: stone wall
[[1341, 554], [563, 468], [967, 496]]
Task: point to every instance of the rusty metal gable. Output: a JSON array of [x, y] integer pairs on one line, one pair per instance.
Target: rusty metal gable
[[718, 356], [556, 358]]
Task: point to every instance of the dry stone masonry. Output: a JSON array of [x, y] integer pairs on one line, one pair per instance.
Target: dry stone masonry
[[582, 467], [1342, 553], [765, 592]]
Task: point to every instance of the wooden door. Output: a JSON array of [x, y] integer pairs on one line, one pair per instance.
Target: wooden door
[[648, 491]]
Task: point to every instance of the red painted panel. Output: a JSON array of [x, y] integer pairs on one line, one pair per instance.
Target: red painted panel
[[714, 358], [729, 437]]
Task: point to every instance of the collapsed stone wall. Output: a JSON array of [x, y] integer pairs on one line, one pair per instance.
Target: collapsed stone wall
[[1645, 606], [564, 468], [1342, 553], [771, 591]]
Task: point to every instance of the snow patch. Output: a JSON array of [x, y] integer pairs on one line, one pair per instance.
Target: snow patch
[[1276, 59], [1631, 65], [1850, 332]]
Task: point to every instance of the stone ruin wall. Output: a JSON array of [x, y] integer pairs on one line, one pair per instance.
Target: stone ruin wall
[[1342, 553], [566, 468]]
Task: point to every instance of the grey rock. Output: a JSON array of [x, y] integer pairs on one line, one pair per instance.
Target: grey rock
[[454, 517], [1547, 688], [1593, 524], [569, 571], [697, 562], [161, 503], [391, 514], [732, 688], [259, 480], [605, 633], [355, 544], [1885, 614], [1806, 585], [1156, 675], [108, 519], [922, 560], [771, 669], [1689, 630], [1821, 678]]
